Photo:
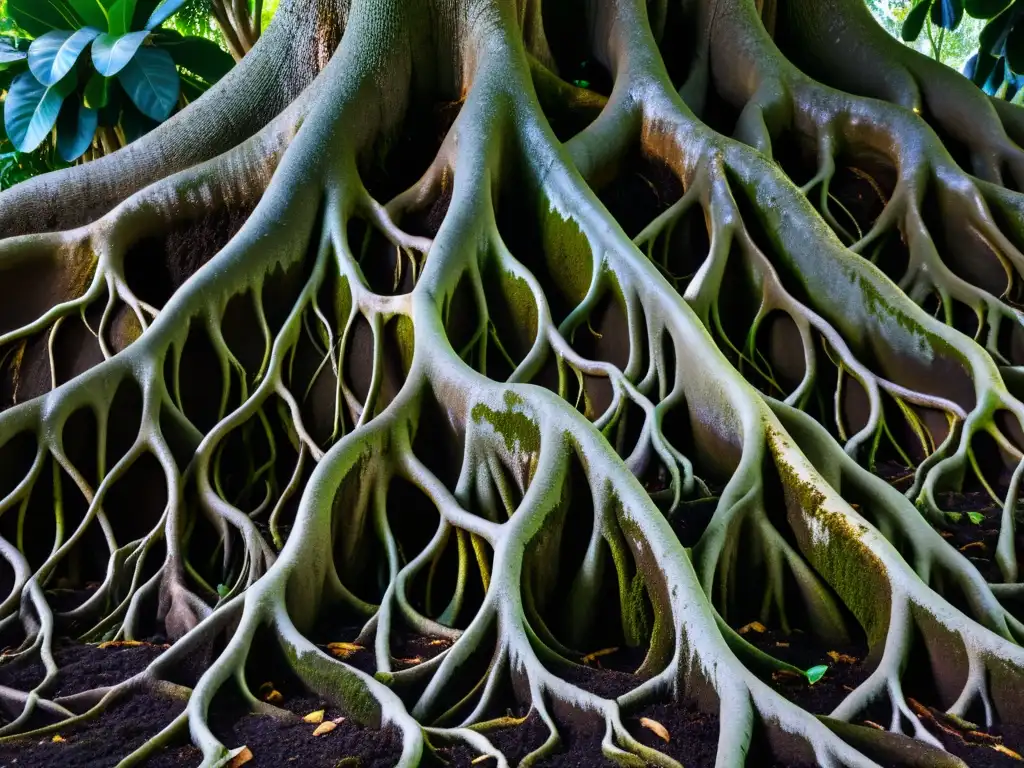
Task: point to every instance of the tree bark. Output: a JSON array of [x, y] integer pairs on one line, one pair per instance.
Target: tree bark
[[450, 316]]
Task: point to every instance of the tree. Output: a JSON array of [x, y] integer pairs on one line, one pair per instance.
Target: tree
[[356, 334]]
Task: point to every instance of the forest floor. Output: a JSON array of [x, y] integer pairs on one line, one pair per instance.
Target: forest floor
[[693, 735]]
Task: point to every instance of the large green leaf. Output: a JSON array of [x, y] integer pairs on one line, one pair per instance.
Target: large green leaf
[[947, 13], [37, 17], [92, 12], [75, 128], [54, 54], [120, 17], [135, 124], [199, 56], [151, 82], [1015, 48], [9, 55], [162, 12], [914, 22], [31, 109], [110, 53], [993, 36], [97, 91], [985, 9]]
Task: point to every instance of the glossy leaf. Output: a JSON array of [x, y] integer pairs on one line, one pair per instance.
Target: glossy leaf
[[134, 124], [151, 82], [162, 12], [111, 54], [75, 128], [120, 17], [814, 674], [199, 56], [993, 37], [91, 11], [97, 91], [37, 17], [31, 109], [914, 22], [9, 55], [54, 54], [985, 9], [995, 80], [947, 13], [1015, 48]]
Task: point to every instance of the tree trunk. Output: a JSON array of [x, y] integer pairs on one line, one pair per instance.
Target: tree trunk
[[454, 320]]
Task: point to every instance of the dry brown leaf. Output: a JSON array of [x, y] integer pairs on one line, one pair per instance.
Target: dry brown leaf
[[121, 644], [754, 626], [439, 641], [980, 545], [58, 739], [873, 724], [837, 657], [270, 694], [413, 660], [653, 725], [244, 756], [1007, 751], [781, 644], [592, 657], [315, 718], [323, 728], [343, 650]]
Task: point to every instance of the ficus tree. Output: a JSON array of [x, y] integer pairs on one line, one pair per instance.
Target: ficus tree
[[397, 323]]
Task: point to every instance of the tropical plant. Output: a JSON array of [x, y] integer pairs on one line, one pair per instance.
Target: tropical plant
[[94, 71], [397, 330]]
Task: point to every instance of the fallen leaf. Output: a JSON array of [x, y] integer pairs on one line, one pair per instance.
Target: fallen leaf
[[413, 660], [977, 518], [815, 673], [873, 724], [121, 644], [955, 517], [439, 641], [781, 644], [1007, 751], [653, 725], [838, 657], [315, 718], [946, 534], [58, 739], [270, 694], [754, 626], [982, 738], [244, 756], [323, 728], [480, 759], [592, 657], [980, 545], [343, 650]]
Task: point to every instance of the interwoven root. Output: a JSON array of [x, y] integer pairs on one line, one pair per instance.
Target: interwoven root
[[405, 411]]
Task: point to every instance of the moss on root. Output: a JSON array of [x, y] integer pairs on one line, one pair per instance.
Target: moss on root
[[256, 463]]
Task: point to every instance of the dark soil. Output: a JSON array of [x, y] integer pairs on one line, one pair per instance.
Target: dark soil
[[846, 668], [102, 742], [81, 667]]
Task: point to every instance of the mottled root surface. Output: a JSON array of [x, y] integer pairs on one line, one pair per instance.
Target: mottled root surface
[[450, 378]]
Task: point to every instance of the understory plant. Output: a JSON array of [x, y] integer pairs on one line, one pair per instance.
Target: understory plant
[[94, 73], [397, 328]]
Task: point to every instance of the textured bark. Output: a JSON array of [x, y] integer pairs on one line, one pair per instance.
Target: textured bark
[[385, 302]]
